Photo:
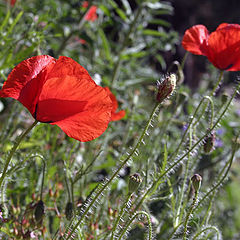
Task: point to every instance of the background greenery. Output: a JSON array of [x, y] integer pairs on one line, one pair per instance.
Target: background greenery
[[130, 46]]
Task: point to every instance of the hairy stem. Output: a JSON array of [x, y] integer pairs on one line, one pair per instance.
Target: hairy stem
[[132, 219], [115, 173]]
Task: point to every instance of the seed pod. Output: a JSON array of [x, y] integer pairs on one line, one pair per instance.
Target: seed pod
[[39, 211], [196, 182], [134, 182], [166, 87], [209, 142], [69, 210]]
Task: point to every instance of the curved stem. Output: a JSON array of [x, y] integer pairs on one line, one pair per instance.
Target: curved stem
[[69, 235], [206, 229], [132, 219], [155, 183], [228, 166], [13, 150]]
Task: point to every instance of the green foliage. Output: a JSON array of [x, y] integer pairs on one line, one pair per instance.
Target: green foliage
[[125, 48]]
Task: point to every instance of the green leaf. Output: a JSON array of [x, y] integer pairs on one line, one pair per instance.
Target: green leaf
[[5, 21], [14, 23], [154, 33], [160, 22], [105, 44]]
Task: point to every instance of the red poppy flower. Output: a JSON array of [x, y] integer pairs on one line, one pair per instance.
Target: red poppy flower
[[221, 47], [91, 14], [60, 92], [115, 115]]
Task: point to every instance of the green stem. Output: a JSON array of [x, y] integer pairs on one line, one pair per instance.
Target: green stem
[[124, 206], [43, 175], [184, 59], [228, 166], [217, 84], [13, 150], [206, 229], [189, 126], [116, 172], [124, 45], [67, 185], [188, 215], [155, 183], [132, 219], [179, 209]]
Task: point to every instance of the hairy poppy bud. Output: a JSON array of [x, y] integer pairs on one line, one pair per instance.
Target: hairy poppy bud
[[209, 142], [69, 210], [196, 182], [166, 87], [134, 182], [39, 211]]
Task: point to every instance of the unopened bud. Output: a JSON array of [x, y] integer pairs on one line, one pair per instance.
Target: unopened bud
[[39, 211], [166, 87], [69, 210], [134, 182], [209, 142], [196, 182], [224, 98]]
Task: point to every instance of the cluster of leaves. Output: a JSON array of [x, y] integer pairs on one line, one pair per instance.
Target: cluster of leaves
[[69, 180]]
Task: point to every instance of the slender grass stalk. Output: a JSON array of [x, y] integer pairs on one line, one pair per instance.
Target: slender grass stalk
[[114, 175], [150, 237], [13, 150]]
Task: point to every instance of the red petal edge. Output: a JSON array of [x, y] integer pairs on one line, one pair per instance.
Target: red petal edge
[[194, 39]]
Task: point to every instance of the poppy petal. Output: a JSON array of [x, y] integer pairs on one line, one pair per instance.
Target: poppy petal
[[115, 115], [118, 115], [194, 39], [71, 100], [25, 81], [89, 117], [224, 48]]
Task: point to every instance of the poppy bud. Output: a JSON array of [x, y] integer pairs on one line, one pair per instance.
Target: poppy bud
[[39, 211], [134, 182], [196, 182], [209, 142], [224, 98], [69, 210], [166, 87]]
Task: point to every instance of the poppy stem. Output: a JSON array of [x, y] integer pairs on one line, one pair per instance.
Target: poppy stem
[[217, 84], [13, 150], [98, 194]]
